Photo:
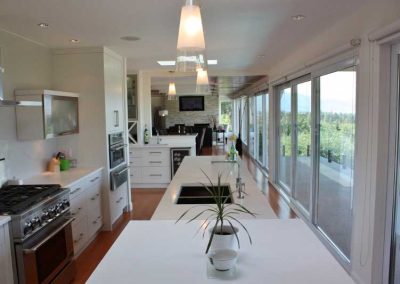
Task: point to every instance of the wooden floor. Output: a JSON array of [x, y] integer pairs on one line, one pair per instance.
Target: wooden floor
[[145, 201]]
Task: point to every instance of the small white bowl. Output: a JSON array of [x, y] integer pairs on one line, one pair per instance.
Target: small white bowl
[[223, 259]]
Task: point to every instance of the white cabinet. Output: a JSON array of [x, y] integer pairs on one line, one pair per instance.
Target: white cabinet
[[150, 166], [85, 200], [119, 201], [114, 93], [6, 271]]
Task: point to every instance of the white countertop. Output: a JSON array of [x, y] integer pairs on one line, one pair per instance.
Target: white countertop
[[4, 220], [190, 172], [64, 178], [283, 252]]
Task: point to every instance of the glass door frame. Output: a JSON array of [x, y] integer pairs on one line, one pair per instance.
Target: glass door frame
[[287, 189], [341, 65], [393, 212], [293, 113]]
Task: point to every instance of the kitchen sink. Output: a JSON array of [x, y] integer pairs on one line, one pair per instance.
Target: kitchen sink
[[198, 194]]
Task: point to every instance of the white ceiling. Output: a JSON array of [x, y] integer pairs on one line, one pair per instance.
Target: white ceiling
[[237, 31]]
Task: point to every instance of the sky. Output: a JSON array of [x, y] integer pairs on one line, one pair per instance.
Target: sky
[[337, 94]]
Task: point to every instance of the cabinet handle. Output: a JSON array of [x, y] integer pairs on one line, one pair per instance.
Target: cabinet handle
[[154, 152], [95, 197], [120, 199], [76, 213], [155, 162], [93, 180], [116, 113], [80, 238], [95, 221], [156, 175], [75, 191]]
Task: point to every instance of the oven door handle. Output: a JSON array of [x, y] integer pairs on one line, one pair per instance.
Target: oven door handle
[[120, 172], [35, 248]]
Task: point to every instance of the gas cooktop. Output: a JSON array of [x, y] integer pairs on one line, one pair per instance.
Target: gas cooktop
[[15, 199]]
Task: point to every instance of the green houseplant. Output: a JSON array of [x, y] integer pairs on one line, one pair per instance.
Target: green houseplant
[[221, 215]]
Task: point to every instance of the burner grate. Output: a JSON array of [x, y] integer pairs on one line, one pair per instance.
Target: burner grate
[[15, 199]]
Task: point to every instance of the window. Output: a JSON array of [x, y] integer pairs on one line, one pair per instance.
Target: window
[[336, 118], [225, 118], [259, 150], [266, 132], [285, 137], [252, 129], [245, 116]]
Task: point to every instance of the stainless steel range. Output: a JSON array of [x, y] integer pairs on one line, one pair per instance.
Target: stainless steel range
[[41, 232]]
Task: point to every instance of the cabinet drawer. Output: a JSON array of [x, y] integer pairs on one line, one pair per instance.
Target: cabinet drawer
[[158, 161], [77, 189], [156, 175], [136, 161], [94, 224], [79, 234], [136, 174], [78, 206], [95, 178], [136, 152]]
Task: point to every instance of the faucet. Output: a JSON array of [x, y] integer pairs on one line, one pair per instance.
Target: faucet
[[240, 186]]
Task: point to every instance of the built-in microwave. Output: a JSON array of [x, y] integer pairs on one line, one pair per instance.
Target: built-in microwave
[[56, 114], [116, 149]]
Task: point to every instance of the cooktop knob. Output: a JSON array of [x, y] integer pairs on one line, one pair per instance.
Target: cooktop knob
[[45, 216], [28, 228], [35, 223]]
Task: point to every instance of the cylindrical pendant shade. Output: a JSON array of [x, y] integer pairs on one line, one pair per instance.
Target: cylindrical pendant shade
[[191, 44], [202, 77], [171, 89], [191, 35]]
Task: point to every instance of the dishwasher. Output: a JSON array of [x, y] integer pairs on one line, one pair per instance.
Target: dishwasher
[[177, 155]]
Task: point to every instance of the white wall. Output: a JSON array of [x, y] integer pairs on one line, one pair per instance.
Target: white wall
[[28, 66]]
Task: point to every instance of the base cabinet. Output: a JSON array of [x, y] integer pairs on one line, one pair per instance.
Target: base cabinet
[[85, 202], [149, 166], [119, 201], [6, 270]]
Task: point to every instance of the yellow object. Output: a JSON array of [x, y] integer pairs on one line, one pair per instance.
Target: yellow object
[[54, 165]]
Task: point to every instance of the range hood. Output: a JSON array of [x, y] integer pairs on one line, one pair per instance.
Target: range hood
[[12, 103]]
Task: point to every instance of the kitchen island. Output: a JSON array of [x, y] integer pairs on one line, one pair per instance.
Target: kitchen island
[[283, 252], [191, 172]]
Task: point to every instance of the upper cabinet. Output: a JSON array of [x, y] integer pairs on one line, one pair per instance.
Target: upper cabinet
[[131, 93], [56, 114], [114, 83]]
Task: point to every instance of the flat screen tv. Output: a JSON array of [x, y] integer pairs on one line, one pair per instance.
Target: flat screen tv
[[191, 103]]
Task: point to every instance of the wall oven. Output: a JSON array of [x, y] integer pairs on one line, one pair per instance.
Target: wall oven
[[47, 256], [116, 149]]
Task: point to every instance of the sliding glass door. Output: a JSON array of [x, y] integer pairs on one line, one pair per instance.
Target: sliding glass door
[[285, 137], [336, 94], [252, 130], [266, 132], [303, 161], [259, 151]]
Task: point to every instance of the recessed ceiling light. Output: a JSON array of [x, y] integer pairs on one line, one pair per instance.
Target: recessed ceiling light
[[166, 63], [74, 40], [261, 55], [298, 17], [172, 62], [130, 38], [43, 25]]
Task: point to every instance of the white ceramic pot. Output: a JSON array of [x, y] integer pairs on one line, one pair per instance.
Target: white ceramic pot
[[226, 240], [223, 259]]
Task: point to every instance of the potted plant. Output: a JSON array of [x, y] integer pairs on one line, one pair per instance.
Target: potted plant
[[222, 216]]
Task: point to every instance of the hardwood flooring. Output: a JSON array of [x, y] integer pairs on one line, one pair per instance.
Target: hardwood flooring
[[145, 201]]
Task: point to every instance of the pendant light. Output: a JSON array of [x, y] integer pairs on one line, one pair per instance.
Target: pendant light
[[171, 89], [202, 83], [191, 44]]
